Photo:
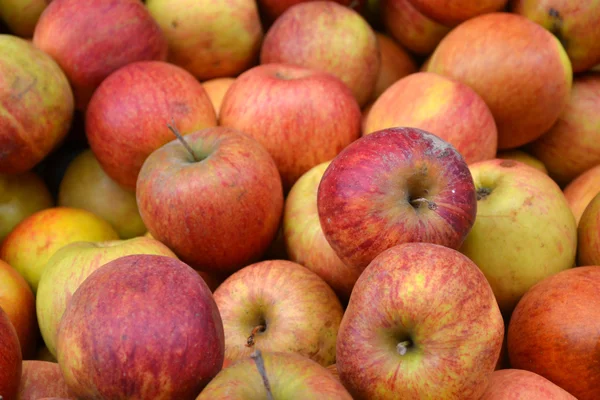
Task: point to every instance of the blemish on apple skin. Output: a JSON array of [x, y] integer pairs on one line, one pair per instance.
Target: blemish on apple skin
[[508, 164], [557, 26], [175, 24]]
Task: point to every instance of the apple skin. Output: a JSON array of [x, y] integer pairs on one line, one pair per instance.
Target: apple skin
[[453, 12], [571, 146], [216, 89], [588, 237], [21, 16], [523, 221], [10, 360], [128, 114], [302, 117], [228, 206], [436, 299], [66, 270], [42, 379], [300, 312], [443, 106], [518, 384], [576, 23], [530, 82], [141, 326], [270, 10], [396, 63], [291, 376], [39, 236], [20, 196], [410, 28], [37, 105], [226, 43], [85, 185], [122, 32], [554, 329], [304, 239], [18, 302], [524, 157], [394, 186], [581, 190], [329, 37]]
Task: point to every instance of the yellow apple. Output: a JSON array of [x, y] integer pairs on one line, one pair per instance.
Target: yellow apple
[[21, 16], [216, 90], [520, 155]]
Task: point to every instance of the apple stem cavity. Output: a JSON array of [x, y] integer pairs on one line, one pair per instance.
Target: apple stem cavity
[[421, 200], [483, 193], [260, 365], [179, 136], [403, 347], [250, 341]]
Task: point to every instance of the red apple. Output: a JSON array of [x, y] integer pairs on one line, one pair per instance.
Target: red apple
[[42, 379], [272, 9], [518, 384], [394, 186], [216, 90], [36, 108], [10, 359], [410, 28], [442, 106], [571, 146], [141, 326], [576, 23], [396, 63], [278, 305], [304, 239], [290, 376], [303, 117], [453, 12], [582, 190], [127, 117], [17, 300], [329, 37], [210, 39], [217, 210], [91, 39], [555, 331], [422, 322], [588, 234], [526, 83]]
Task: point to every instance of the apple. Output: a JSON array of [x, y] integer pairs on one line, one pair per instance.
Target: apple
[[128, 114], [278, 305], [526, 83], [588, 234], [219, 207], [141, 326], [410, 28], [42, 379], [290, 376], [453, 12], [329, 37], [576, 23], [216, 89], [554, 329], [581, 190], [365, 115], [39, 236], [18, 302], [301, 116], [396, 63], [10, 359], [422, 322], [524, 230], [270, 10], [210, 39], [66, 270], [524, 157], [20, 196], [443, 106], [520, 384], [21, 16], [37, 105], [85, 185], [571, 146], [394, 186], [91, 39]]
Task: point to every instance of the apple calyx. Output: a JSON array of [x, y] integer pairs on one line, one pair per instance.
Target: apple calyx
[[403, 347], [185, 144], [259, 328], [421, 200], [260, 365], [483, 193]]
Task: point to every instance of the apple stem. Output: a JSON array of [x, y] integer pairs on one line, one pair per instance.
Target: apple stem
[[250, 341], [402, 347], [179, 136], [430, 204], [260, 365]]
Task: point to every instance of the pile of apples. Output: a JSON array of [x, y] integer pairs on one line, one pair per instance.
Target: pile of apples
[[296, 199]]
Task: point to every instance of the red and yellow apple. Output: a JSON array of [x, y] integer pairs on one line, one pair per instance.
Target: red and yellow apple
[[453, 12], [524, 157], [10, 359], [519, 384], [270, 10], [588, 234], [41, 379], [396, 63], [581, 190]]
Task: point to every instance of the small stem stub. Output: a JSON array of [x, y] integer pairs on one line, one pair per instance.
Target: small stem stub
[[483, 192], [250, 341], [260, 365], [179, 136], [403, 347], [430, 204]]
